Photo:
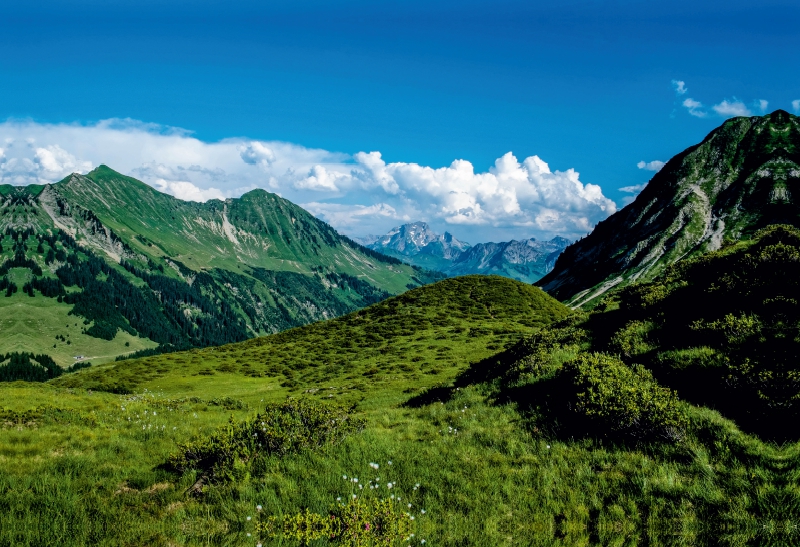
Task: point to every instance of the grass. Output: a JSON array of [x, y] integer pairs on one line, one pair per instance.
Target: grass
[[82, 466], [32, 325]]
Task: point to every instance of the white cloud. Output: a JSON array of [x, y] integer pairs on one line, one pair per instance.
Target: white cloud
[[694, 108], [319, 178], [680, 87], [654, 165], [635, 189], [347, 217], [731, 108], [255, 153], [360, 193], [187, 191], [762, 105], [796, 105]]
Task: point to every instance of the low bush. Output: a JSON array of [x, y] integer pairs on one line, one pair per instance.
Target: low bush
[[283, 428], [623, 400]]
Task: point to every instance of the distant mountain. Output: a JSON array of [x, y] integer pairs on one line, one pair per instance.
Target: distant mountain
[[742, 177], [527, 260], [417, 244], [141, 270]]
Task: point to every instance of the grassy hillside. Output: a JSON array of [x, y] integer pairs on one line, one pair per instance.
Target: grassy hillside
[[473, 421], [423, 336], [86, 465]]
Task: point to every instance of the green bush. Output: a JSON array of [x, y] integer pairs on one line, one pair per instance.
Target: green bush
[[633, 340], [622, 400], [290, 426]]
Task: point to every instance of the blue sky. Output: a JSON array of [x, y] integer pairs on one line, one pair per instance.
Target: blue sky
[[583, 85]]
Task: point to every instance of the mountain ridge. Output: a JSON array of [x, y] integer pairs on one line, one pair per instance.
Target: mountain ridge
[[740, 178], [526, 260], [253, 265]]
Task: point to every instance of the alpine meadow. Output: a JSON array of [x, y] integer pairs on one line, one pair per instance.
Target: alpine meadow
[[238, 373]]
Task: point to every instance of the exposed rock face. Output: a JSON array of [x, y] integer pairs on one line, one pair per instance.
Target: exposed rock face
[[743, 176], [526, 260], [417, 237]]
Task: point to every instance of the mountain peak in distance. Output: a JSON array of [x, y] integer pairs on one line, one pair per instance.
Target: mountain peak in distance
[[527, 260]]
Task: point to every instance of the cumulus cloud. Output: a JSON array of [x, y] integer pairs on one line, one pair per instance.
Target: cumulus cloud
[[255, 153], [654, 165], [679, 86], [695, 108], [731, 108], [796, 105], [360, 192]]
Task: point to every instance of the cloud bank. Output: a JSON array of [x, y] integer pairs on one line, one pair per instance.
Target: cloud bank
[[357, 193]]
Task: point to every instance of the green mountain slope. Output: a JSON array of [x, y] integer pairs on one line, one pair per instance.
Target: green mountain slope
[[125, 258], [742, 177], [432, 330]]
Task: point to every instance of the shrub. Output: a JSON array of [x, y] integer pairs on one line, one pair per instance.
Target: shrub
[[632, 340], [622, 400], [283, 428]]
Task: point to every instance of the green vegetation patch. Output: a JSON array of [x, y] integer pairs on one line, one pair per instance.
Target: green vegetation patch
[[282, 428]]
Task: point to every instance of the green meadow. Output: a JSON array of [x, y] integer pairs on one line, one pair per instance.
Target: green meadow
[[33, 324], [84, 457]]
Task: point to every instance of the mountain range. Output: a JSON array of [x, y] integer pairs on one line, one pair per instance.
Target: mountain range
[[740, 178], [108, 266], [527, 260]]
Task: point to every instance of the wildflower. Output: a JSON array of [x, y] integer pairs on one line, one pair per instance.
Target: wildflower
[[423, 512], [249, 518], [389, 485], [389, 462], [344, 477], [338, 499], [258, 508], [409, 506]]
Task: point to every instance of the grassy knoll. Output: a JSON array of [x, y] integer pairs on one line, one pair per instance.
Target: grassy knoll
[[452, 422]]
